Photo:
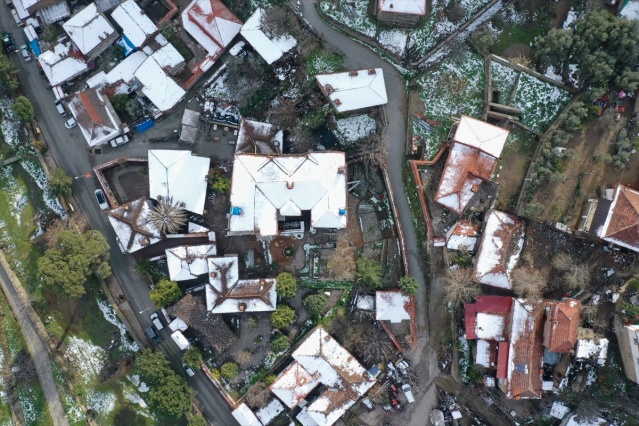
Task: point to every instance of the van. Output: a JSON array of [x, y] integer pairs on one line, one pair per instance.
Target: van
[[16, 18], [58, 105], [156, 321], [409, 393], [153, 335], [180, 340]]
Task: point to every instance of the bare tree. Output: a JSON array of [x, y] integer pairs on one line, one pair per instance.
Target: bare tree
[[258, 395], [24, 368], [460, 287], [243, 358], [166, 216], [563, 262], [301, 139], [279, 21], [577, 277], [528, 283], [341, 263], [55, 226], [373, 153], [374, 347], [591, 316], [284, 114]]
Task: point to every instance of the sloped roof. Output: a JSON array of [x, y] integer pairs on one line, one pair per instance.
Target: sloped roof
[[226, 293], [499, 250], [267, 185], [211, 24], [161, 89], [135, 24], [486, 353], [479, 134], [392, 305], [622, 224], [189, 262], [245, 417], [487, 318], [125, 70], [62, 63], [410, 7], [465, 170], [88, 28], [560, 328], [463, 233], [129, 221], [270, 411], [502, 360], [353, 90], [180, 175], [293, 384], [96, 117], [259, 138], [470, 320], [270, 49], [343, 376], [167, 56]]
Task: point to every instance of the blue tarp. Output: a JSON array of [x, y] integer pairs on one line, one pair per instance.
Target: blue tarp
[[145, 125], [126, 45], [35, 48]]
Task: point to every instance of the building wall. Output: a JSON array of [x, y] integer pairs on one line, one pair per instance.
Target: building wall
[[42, 4], [104, 45], [398, 19], [629, 349]]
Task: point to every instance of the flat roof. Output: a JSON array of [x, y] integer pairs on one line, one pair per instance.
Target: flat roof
[[135, 24], [353, 90], [161, 89]]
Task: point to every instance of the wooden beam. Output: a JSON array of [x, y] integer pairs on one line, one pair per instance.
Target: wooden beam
[[504, 108]]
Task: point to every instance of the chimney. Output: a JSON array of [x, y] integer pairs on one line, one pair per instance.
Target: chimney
[[372, 70], [242, 307], [337, 102], [213, 274], [352, 73], [329, 88], [341, 170], [290, 185]]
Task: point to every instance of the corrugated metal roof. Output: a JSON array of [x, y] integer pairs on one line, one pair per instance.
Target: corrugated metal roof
[[471, 320], [502, 360]]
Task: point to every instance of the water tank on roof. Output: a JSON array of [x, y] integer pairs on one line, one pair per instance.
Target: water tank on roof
[[236, 211]]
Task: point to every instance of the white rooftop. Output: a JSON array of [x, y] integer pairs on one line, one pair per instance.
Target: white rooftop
[[490, 326], [411, 7], [189, 262], [293, 384], [125, 70], [158, 86], [60, 65], [483, 354], [132, 229], [271, 410], [54, 13], [270, 49], [266, 187], [559, 410], [392, 305], [591, 348], [227, 293], [245, 417], [180, 175], [96, 118], [168, 56], [88, 28], [211, 24], [255, 137], [486, 137], [135, 24], [353, 90]]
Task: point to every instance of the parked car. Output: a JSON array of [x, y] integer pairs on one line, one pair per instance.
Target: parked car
[[408, 392], [16, 18], [402, 366], [153, 335], [102, 201], [188, 370], [70, 123], [156, 321], [25, 53], [7, 42], [60, 108], [120, 140], [36, 128]]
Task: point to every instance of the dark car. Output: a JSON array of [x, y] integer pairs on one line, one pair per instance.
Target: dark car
[[153, 335], [7, 42]]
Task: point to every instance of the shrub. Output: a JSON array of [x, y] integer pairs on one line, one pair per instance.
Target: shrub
[[165, 293], [23, 109], [316, 304], [369, 272], [215, 373], [229, 370], [286, 285], [280, 344], [60, 182], [408, 285], [282, 317], [192, 357], [269, 379], [633, 285]]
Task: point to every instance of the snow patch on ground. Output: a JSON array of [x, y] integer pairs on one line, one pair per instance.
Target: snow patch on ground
[[572, 17], [352, 129], [394, 40], [50, 199], [73, 410], [111, 317], [218, 89], [504, 80], [86, 357], [134, 398], [352, 14], [10, 125], [102, 403], [539, 101]]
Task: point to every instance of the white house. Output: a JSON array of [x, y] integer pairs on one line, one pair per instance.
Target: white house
[[629, 348], [132, 229], [96, 118], [157, 85], [136, 26], [62, 63], [269, 48], [90, 31], [189, 262], [392, 305], [354, 90]]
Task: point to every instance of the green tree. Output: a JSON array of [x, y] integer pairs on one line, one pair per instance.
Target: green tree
[[168, 392], [282, 317], [280, 344], [316, 304], [23, 109], [408, 284], [74, 257], [215, 373], [134, 109], [229, 370], [8, 75], [119, 101], [286, 285], [197, 420], [192, 357], [269, 379], [165, 293], [483, 39], [221, 185], [60, 182], [152, 366], [369, 272]]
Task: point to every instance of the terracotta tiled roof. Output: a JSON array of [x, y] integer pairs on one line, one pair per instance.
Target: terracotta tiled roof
[[502, 360], [466, 228], [494, 304], [210, 17], [95, 115], [622, 224], [560, 328], [471, 320]]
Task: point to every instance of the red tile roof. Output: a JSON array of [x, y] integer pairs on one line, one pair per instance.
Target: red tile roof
[[494, 304], [471, 320], [466, 229], [502, 360], [622, 223], [205, 14], [560, 328]]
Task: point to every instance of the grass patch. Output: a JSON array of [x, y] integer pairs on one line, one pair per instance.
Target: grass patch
[[321, 61], [540, 102], [519, 33], [419, 222]]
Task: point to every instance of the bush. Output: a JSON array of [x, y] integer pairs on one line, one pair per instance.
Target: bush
[[369, 272], [633, 285], [60, 182], [165, 293], [229, 370], [286, 285], [280, 344], [316, 304], [282, 317], [269, 379], [408, 285], [23, 109], [119, 102], [215, 373]]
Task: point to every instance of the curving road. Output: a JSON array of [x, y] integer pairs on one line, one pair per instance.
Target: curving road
[[358, 56]]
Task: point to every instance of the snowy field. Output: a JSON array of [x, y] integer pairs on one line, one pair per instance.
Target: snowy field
[[540, 102], [352, 129], [353, 14], [503, 80]]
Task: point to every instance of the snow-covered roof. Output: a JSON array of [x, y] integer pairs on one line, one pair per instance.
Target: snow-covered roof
[[88, 28], [211, 24], [227, 293], [178, 324], [353, 90], [179, 175], [485, 353], [463, 234], [499, 250], [392, 305], [21, 10], [189, 262], [54, 13], [270, 411], [168, 56], [622, 223], [265, 187], [97, 120], [132, 229], [259, 138], [490, 326], [125, 70], [158, 86], [135, 24], [245, 417], [327, 362], [592, 348], [293, 384], [270, 49], [559, 410], [410, 7], [62, 63], [581, 420], [479, 134]]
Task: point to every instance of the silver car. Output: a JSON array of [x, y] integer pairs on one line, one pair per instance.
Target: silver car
[[25, 53]]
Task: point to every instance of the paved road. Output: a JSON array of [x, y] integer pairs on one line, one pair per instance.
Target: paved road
[[71, 153], [358, 56], [37, 349]]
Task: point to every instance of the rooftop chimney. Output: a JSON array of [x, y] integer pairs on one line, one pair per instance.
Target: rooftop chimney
[[372, 71], [290, 185], [352, 73]]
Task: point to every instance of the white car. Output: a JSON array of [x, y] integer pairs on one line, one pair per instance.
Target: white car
[[188, 370], [102, 201], [120, 140], [25, 53], [237, 48], [70, 123], [409, 394]]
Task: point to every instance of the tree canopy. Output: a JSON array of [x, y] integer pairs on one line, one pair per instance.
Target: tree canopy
[[60, 182], [602, 46], [282, 316], [67, 265], [280, 343], [119, 101], [229, 370], [286, 285], [369, 272], [8, 75], [192, 357], [165, 293], [408, 285], [23, 109], [316, 304]]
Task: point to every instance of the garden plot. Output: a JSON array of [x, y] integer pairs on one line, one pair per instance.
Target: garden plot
[[353, 14], [394, 40], [350, 130], [539, 101], [503, 79]]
